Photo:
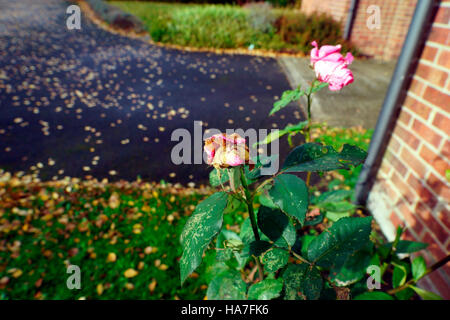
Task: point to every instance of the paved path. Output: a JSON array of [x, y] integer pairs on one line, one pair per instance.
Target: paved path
[[87, 102]]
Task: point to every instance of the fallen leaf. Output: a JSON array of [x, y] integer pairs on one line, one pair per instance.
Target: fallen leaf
[[130, 273], [111, 257], [100, 289], [152, 285]]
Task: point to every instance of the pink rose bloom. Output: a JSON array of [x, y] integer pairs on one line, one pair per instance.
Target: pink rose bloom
[[331, 67], [225, 151]]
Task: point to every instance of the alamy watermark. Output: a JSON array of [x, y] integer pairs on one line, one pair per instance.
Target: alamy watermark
[[74, 20], [374, 280], [374, 20], [74, 280]]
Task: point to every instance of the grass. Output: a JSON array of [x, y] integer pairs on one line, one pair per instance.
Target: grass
[[228, 26], [105, 229]]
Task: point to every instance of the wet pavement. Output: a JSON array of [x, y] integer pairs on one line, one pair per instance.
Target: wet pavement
[[90, 103]]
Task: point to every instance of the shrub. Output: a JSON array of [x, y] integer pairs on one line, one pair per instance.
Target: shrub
[[227, 26], [298, 29], [260, 16]]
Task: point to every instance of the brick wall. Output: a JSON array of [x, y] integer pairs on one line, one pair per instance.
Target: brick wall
[[411, 188], [337, 9], [384, 43]]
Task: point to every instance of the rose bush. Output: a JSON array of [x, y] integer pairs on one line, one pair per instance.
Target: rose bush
[[297, 252]]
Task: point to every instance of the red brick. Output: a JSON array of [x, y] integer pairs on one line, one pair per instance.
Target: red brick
[[413, 162], [404, 117], [438, 98], [385, 168], [432, 245], [417, 107], [432, 224], [433, 75], [429, 53], [397, 164], [436, 161], [438, 186], [426, 133], [395, 220], [407, 235], [394, 144], [417, 87], [444, 58], [410, 218], [440, 283], [424, 194], [444, 217], [439, 35], [391, 192], [445, 150], [443, 15], [407, 137], [404, 190], [442, 122], [425, 283]]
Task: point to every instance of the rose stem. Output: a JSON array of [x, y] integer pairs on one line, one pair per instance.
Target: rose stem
[[251, 213]]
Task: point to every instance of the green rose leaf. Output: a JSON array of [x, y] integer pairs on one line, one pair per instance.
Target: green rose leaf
[[265, 290], [319, 86], [255, 248], [275, 259], [266, 200], [229, 244], [302, 282], [316, 157], [224, 254], [333, 246], [275, 135], [332, 196], [426, 295], [406, 246], [218, 177], [399, 275], [287, 97], [374, 295], [290, 194], [419, 268], [260, 163], [204, 224], [276, 226], [246, 233], [405, 294], [305, 241], [227, 285], [354, 268], [341, 206]]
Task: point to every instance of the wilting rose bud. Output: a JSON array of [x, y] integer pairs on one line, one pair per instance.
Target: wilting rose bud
[[225, 151], [331, 67]]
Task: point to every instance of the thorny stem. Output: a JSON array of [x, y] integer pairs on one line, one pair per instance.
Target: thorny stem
[[434, 267], [251, 213]]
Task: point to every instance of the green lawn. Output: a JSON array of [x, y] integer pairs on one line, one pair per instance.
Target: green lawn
[[228, 26], [44, 226]]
